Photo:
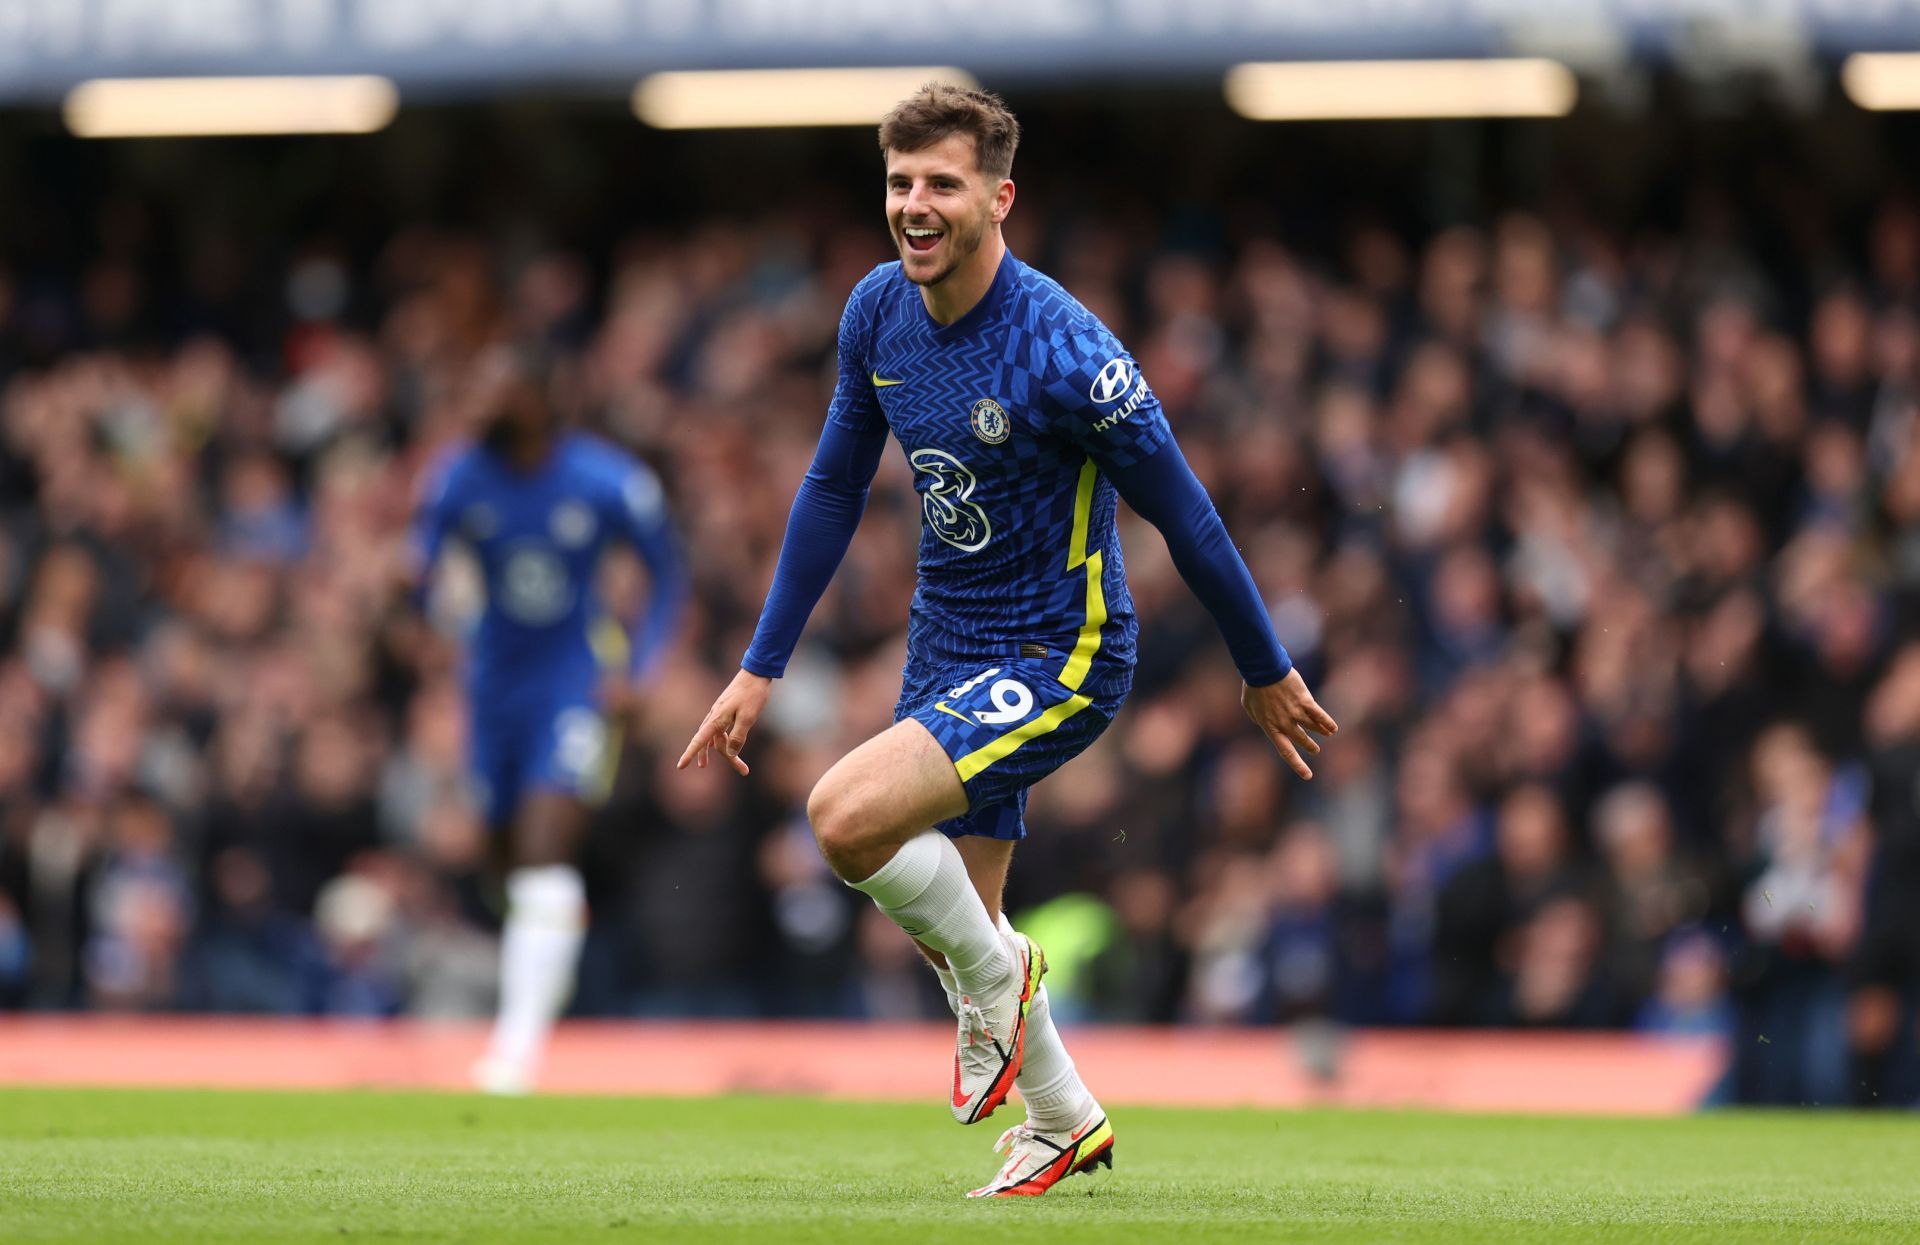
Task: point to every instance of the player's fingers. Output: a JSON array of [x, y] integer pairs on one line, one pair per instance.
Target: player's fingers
[[733, 739], [695, 747], [702, 740], [1298, 734], [1322, 720], [1290, 755]]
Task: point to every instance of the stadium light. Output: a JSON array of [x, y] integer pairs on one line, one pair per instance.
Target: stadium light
[[194, 107], [742, 98], [1390, 90], [1882, 81]]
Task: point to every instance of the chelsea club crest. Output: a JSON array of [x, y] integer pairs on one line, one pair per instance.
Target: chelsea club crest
[[990, 422]]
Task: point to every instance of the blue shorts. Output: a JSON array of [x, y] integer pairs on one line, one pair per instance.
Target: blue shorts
[[556, 742], [1006, 725]]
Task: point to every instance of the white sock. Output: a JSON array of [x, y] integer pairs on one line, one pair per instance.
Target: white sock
[[546, 922], [925, 890], [1057, 1099]]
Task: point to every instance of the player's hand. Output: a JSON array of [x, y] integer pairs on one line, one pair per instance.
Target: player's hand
[[1287, 712], [728, 722]]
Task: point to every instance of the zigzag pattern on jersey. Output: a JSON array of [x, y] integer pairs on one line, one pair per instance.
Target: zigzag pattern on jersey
[[998, 517]]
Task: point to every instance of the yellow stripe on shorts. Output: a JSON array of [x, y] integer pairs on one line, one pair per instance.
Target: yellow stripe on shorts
[[980, 758], [1074, 673]]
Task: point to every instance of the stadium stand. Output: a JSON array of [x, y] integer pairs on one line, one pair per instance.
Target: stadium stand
[[1597, 526]]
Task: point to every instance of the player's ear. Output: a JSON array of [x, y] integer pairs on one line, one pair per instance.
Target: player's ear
[[1002, 200]]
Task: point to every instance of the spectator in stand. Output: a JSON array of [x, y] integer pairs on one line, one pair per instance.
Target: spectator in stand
[[1650, 892], [1690, 998], [1508, 921], [1801, 910]]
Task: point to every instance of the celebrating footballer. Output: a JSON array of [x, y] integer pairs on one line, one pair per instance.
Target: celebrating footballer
[[1024, 421]]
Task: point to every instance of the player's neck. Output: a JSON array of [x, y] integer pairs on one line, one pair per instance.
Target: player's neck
[[962, 291], [526, 451]]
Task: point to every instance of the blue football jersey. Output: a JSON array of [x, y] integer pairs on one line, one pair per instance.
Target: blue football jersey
[[1007, 417], [538, 536]]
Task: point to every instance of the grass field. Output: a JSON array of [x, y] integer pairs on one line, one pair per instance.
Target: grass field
[[101, 1166]]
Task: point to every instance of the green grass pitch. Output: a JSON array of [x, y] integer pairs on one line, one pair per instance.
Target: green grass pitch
[[99, 1166]]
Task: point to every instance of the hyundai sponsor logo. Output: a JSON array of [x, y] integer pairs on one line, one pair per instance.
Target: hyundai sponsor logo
[[1114, 380]]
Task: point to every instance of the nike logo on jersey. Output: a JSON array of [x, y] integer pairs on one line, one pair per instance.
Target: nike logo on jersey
[[880, 383]]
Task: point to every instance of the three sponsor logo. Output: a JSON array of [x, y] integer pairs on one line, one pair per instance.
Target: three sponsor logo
[[948, 503], [535, 588]]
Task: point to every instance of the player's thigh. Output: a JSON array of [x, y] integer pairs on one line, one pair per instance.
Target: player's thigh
[[890, 788], [493, 767], [548, 828], [569, 748], [577, 750], [567, 754]]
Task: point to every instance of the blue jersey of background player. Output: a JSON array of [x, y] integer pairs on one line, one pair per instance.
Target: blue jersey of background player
[[1023, 420], [545, 668]]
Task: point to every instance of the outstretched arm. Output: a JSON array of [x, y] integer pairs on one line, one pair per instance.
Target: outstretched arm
[[1102, 403], [819, 529], [1163, 490]]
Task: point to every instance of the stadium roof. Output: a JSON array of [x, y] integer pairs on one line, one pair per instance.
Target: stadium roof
[[480, 47]]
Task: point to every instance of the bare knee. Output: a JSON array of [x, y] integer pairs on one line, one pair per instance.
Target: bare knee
[[858, 823], [844, 830], [891, 788]]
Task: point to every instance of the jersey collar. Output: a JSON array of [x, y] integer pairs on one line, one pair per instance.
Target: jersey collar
[[982, 312]]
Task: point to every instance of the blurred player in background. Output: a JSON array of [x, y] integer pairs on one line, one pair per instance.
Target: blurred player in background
[[1023, 418], [549, 676]]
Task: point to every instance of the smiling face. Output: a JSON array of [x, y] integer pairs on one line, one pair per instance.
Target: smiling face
[[941, 208]]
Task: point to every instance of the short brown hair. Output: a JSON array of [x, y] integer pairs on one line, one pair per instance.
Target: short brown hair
[[940, 110]]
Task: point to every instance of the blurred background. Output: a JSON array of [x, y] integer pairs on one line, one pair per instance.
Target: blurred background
[[1573, 441]]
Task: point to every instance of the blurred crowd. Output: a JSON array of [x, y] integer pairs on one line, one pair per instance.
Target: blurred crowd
[[1602, 544]]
